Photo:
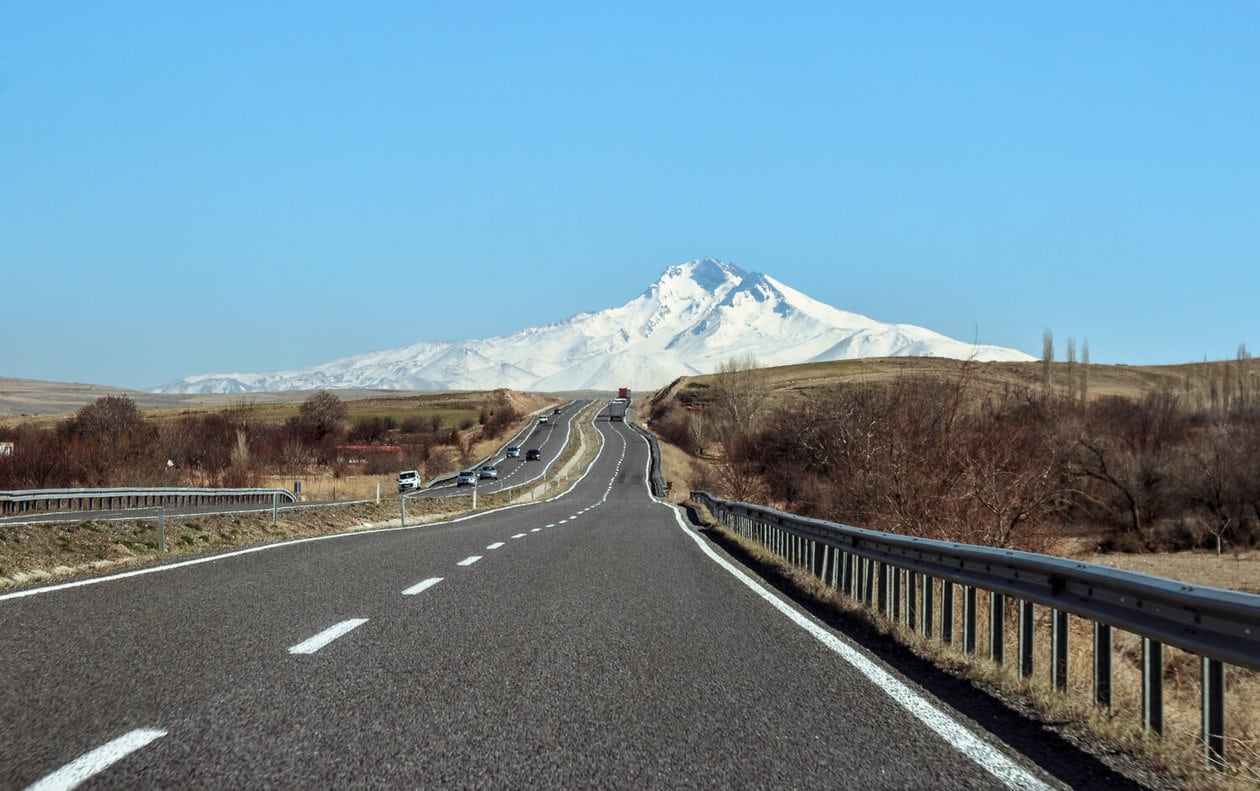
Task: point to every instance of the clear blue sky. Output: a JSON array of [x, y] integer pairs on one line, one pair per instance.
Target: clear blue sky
[[194, 188]]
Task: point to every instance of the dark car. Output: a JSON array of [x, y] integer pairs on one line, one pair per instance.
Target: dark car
[[533, 454], [555, 411]]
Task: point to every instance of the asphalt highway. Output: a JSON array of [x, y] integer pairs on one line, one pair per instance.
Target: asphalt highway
[[588, 641], [549, 439]]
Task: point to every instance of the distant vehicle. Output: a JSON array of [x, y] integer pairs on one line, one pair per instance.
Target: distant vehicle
[[617, 410], [408, 479], [555, 411], [467, 478], [542, 419], [533, 454], [513, 453], [623, 392], [490, 472]]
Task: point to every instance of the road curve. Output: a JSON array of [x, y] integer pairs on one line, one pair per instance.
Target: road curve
[[590, 640]]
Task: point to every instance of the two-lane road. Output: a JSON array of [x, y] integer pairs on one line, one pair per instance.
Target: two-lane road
[[587, 641]]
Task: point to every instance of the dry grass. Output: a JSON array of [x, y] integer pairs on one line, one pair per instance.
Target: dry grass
[[1238, 571]]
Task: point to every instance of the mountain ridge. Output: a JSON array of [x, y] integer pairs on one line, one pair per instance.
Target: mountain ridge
[[694, 317]]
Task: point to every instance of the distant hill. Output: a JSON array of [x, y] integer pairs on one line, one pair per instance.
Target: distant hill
[[1192, 381]]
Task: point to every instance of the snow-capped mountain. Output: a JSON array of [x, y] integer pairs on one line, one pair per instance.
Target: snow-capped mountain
[[691, 320]]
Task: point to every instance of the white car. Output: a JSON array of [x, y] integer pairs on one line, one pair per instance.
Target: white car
[[542, 419], [513, 453], [408, 479], [467, 478]]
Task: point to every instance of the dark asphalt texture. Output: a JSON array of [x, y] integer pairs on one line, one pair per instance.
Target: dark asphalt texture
[[607, 651]]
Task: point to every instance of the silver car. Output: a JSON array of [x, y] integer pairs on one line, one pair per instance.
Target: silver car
[[490, 472], [466, 478]]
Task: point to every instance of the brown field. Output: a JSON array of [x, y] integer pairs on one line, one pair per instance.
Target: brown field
[[45, 403]]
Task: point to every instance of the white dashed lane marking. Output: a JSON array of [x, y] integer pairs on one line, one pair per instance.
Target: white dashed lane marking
[[325, 637], [495, 545], [468, 561], [85, 766], [519, 535], [421, 587]]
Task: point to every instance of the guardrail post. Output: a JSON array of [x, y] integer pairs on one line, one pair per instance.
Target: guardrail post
[[1027, 623], [997, 627], [929, 589], [1059, 649], [162, 530], [898, 574], [402, 505], [882, 596], [1213, 672], [275, 505], [868, 581], [1102, 665], [1152, 685], [947, 612], [969, 619], [847, 582], [912, 605]]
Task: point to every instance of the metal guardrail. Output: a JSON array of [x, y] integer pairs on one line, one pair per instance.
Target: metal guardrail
[[46, 500], [901, 576], [655, 478]]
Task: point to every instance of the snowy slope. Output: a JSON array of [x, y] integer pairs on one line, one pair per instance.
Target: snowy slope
[[696, 316]]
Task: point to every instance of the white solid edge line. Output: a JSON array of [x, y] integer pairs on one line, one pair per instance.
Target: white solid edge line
[[468, 561], [325, 637], [956, 734], [89, 764], [421, 587]]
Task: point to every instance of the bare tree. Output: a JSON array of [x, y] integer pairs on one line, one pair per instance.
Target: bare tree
[[1071, 368], [1047, 356], [323, 414], [1244, 364], [741, 389], [1085, 369]]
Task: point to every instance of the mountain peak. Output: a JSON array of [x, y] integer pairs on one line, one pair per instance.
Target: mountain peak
[[709, 274], [696, 316]]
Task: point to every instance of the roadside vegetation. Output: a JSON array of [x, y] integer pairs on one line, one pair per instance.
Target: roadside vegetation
[[1021, 465], [111, 442]]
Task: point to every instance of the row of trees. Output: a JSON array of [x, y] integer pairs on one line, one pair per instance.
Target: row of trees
[[111, 443], [1011, 469]]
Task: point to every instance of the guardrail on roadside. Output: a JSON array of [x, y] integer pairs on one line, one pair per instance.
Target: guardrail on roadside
[[900, 577], [655, 478], [46, 500]]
